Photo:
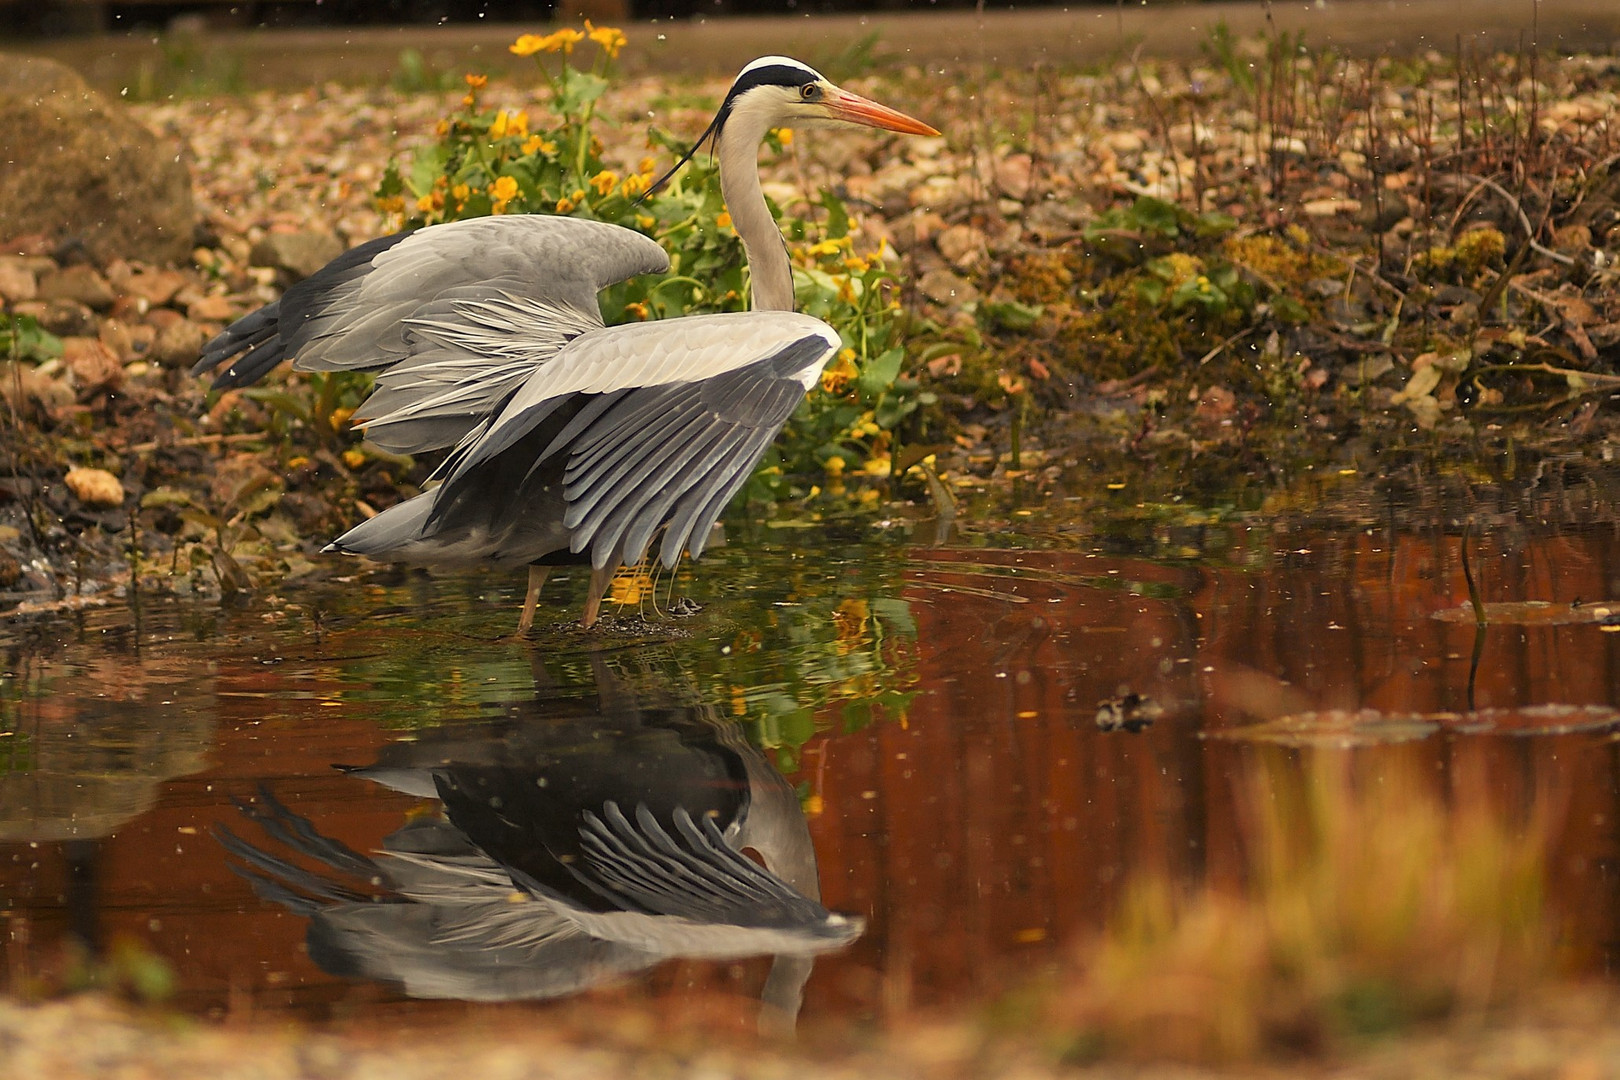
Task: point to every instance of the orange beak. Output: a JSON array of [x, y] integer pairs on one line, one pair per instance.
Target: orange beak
[[843, 105]]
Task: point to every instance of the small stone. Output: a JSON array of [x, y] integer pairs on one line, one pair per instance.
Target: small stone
[[81, 284], [1330, 207], [115, 334], [212, 309], [94, 365], [1013, 175], [156, 287], [17, 281], [963, 245], [943, 287], [23, 386], [297, 254], [95, 487], [130, 308], [917, 227], [178, 344], [68, 318]]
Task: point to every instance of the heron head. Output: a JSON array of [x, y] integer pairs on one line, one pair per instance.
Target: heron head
[[783, 92], [778, 91]]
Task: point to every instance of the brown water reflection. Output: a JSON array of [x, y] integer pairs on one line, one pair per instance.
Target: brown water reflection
[[978, 829]]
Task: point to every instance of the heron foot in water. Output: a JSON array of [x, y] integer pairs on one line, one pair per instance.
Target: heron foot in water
[[684, 607]]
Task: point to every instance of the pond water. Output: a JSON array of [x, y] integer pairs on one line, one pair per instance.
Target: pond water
[[984, 731]]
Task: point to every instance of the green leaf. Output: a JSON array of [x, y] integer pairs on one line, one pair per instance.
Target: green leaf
[[880, 374]]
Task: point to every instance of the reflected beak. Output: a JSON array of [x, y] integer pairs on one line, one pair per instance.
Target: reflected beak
[[854, 109]]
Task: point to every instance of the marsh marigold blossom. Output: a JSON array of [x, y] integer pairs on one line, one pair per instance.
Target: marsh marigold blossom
[[527, 45], [605, 181], [509, 123], [505, 189], [610, 38]]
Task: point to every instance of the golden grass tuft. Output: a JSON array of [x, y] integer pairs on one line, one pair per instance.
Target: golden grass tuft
[[1369, 905]]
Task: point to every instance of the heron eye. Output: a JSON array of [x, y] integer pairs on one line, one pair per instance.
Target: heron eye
[[810, 91]]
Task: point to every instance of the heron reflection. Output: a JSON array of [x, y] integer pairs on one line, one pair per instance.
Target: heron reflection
[[578, 839]]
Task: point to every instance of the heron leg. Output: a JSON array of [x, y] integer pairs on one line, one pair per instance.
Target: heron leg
[[593, 594], [537, 578]]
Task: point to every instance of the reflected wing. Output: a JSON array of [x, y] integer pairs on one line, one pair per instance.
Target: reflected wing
[[693, 875], [463, 310], [675, 416]]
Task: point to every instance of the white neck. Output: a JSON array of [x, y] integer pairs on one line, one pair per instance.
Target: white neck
[[769, 270]]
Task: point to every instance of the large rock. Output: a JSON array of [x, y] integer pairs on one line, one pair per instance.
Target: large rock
[[78, 168]]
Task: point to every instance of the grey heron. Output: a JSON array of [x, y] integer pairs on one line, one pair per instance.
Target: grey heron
[[570, 441], [580, 839]]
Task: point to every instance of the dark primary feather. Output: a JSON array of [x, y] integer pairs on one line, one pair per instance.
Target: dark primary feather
[[697, 877], [629, 462], [264, 335]]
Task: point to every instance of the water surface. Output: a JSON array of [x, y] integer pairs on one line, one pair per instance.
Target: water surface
[[988, 730]]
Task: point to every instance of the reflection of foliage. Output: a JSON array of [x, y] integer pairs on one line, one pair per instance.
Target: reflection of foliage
[[807, 643]]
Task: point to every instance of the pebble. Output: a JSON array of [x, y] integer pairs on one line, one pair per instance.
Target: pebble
[[962, 245], [297, 254], [212, 309], [94, 365], [80, 284], [945, 288], [1013, 175], [17, 281], [95, 487], [179, 343], [68, 318]]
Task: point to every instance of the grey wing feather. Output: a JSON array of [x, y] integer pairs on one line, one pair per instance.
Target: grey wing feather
[[695, 876], [666, 447], [464, 309]]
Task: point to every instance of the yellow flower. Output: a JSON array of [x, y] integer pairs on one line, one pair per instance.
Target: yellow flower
[[477, 82], [527, 45], [509, 123], [880, 466], [425, 203], [723, 220], [605, 181], [565, 205], [647, 165], [565, 39], [834, 466], [825, 247], [609, 38], [645, 221], [783, 135], [634, 186], [836, 378], [460, 193], [578, 195], [503, 191], [638, 309], [442, 128], [535, 143]]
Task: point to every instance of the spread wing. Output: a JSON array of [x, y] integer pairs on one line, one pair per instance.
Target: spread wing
[[668, 420], [454, 316]]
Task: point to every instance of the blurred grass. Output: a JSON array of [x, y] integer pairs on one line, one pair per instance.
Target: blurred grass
[[1369, 904]]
